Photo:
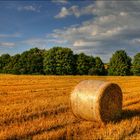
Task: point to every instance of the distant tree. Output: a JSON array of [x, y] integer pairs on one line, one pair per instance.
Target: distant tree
[[49, 62], [120, 64], [4, 61], [62, 61], [13, 67], [59, 61], [31, 62], [75, 64], [92, 64], [93, 71], [99, 68], [84, 63], [136, 65]]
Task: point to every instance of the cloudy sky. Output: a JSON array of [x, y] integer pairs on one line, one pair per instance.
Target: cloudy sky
[[96, 28]]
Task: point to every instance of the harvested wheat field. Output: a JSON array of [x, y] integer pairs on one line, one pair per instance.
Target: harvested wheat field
[[38, 107]]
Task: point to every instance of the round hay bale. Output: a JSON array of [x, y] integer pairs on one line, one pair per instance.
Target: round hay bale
[[97, 100]]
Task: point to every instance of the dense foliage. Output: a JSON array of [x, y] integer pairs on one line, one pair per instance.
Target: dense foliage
[[31, 62], [84, 63], [120, 64], [4, 61], [59, 61], [136, 64], [62, 61]]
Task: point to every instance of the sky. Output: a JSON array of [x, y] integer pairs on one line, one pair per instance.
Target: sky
[[94, 27]]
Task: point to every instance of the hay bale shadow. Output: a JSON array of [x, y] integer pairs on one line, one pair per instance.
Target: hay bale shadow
[[128, 114]]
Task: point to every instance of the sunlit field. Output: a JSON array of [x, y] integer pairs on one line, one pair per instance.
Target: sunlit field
[[38, 107]]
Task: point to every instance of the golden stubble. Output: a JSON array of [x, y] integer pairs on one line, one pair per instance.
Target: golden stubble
[[38, 107]]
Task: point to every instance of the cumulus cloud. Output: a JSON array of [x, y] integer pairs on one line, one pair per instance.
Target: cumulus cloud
[[7, 44], [115, 25], [29, 8], [65, 12], [102, 8], [76, 11]]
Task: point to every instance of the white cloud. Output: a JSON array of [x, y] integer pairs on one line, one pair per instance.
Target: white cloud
[[135, 41], [81, 43], [115, 25], [29, 8], [123, 13], [43, 42], [60, 1], [103, 8], [36, 42], [76, 11], [10, 35], [7, 44], [65, 12]]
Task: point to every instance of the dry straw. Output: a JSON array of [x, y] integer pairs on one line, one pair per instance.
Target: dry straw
[[97, 100]]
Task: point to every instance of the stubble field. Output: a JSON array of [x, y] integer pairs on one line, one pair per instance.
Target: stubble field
[[38, 107]]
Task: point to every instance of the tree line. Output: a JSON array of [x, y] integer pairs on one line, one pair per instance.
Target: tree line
[[62, 61]]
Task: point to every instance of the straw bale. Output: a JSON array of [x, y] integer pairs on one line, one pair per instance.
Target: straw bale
[[97, 100]]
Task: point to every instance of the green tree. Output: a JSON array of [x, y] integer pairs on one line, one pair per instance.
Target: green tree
[[59, 61], [99, 68], [120, 64], [4, 61], [31, 62], [84, 63], [13, 67], [136, 64]]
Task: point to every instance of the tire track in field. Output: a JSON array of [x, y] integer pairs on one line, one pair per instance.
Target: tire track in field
[[56, 127], [29, 129], [69, 132], [37, 115]]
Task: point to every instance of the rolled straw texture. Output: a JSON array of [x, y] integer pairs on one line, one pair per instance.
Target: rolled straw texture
[[96, 100]]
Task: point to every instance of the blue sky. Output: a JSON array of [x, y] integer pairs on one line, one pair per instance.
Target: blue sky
[[96, 28]]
